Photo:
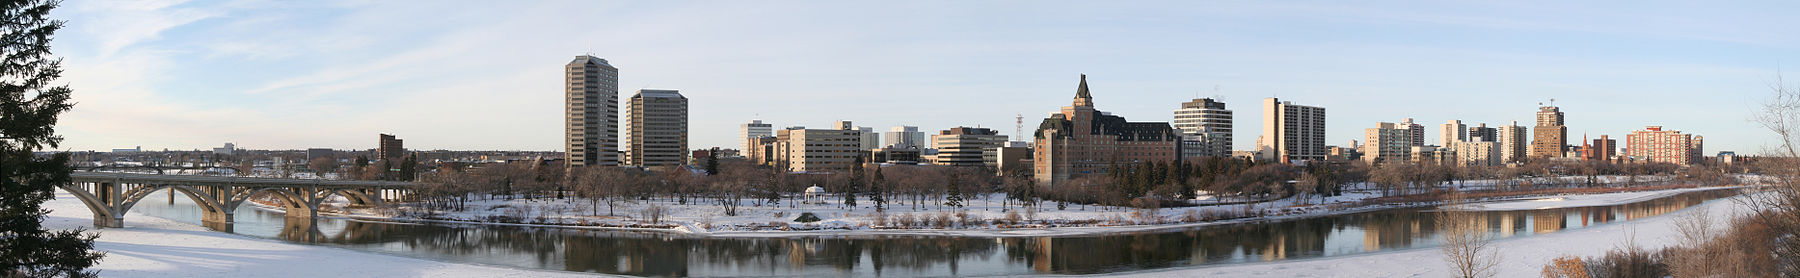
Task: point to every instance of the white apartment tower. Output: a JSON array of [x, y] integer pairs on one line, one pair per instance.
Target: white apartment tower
[[1207, 122], [591, 91], [1452, 132], [750, 132], [657, 128], [1291, 132], [1511, 143], [1387, 142]]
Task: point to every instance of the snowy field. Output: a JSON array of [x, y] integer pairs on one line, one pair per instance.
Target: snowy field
[[1520, 257], [156, 247]]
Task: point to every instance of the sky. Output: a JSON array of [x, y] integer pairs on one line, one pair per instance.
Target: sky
[[474, 75]]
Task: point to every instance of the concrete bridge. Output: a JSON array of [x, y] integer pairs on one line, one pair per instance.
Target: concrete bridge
[[110, 195]]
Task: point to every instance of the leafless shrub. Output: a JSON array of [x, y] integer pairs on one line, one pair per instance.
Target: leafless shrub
[[941, 220], [880, 218], [1012, 218], [654, 213], [1566, 267], [906, 220], [1468, 246]]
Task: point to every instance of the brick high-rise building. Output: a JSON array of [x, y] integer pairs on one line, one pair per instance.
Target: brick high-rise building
[[1550, 136], [591, 119], [1653, 144], [1080, 140], [1603, 149], [390, 148], [656, 128], [1483, 133], [1291, 132]]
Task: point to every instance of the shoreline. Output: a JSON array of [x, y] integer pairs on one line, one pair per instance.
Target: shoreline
[[688, 229]]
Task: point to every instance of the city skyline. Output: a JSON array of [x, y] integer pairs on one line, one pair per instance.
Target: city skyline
[[195, 75]]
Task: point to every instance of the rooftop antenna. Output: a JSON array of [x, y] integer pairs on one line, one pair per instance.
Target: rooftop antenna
[[1020, 130]]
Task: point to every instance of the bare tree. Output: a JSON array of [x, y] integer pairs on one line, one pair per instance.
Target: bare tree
[[322, 165], [1780, 114], [1468, 246]]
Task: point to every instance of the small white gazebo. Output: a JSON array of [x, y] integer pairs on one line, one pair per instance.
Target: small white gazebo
[[815, 194]]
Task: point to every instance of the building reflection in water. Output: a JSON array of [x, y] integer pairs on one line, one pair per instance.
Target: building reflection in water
[[658, 254]]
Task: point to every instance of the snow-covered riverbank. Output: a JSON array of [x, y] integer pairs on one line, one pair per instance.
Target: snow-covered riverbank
[[1574, 201], [1520, 257], [156, 247], [988, 216]]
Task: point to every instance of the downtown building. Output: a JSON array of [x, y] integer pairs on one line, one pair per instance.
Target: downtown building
[[903, 137], [1387, 142], [1452, 132], [1291, 132], [389, 148], [1080, 140], [656, 128], [591, 124], [1205, 127], [1511, 141], [1417, 131], [749, 132], [1655, 145], [1550, 137], [1603, 149], [965, 146], [799, 149]]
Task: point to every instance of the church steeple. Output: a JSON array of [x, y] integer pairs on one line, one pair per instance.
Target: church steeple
[[1081, 94]]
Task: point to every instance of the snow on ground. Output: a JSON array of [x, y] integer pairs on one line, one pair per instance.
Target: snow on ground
[[1571, 201], [156, 247], [707, 217], [1520, 257]]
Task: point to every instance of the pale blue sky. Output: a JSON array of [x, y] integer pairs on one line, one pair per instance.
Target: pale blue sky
[[476, 75]]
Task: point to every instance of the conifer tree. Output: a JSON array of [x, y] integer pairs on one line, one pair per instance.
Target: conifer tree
[[29, 106]]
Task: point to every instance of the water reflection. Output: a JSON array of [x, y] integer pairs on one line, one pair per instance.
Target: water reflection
[[657, 254]]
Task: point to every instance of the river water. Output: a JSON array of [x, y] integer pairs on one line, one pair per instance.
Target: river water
[[662, 254]]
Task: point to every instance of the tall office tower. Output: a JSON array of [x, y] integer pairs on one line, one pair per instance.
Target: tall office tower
[[1453, 132], [390, 148], [656, 128], [1387, 142], [1417, 131], [1548, 139], [1291, 132], [592, 122], [870, 139], [901, 137], [1511, 142], [751, 131], [1653, 144], [1209, 122], [1483, 133]]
